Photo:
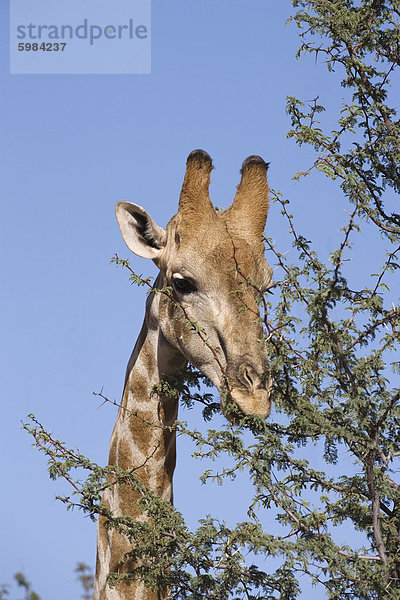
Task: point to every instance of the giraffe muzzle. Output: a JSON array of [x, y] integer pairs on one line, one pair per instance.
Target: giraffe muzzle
[[250, 389], [258, 403]]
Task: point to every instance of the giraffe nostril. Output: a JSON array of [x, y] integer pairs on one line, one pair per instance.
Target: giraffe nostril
[[249, 376]]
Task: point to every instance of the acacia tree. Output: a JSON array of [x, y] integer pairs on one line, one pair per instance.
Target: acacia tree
[[332, 348]]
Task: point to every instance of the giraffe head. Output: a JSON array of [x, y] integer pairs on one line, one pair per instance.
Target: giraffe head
[[214, 262]]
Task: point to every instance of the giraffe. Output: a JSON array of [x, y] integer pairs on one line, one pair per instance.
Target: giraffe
[[199, 256]]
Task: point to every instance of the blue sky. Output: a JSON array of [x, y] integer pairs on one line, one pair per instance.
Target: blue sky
[[72, 146]]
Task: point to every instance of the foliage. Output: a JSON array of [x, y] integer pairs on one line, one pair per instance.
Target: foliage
[[23, 583], [85, 576], [329, 460], [3, 591], [361, 41]]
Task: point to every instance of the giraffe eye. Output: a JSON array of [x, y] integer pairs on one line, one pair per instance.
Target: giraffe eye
[[182, 285]]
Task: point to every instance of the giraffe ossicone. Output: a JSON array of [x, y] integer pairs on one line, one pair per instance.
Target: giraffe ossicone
[[214, 263]]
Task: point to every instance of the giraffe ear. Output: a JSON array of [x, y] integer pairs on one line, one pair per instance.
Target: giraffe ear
[[142, 236]]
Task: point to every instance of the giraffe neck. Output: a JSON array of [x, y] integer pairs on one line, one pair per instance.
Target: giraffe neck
[[139, 442]]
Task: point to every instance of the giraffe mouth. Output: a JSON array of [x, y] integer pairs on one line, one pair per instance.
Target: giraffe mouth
[[241, 403]]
